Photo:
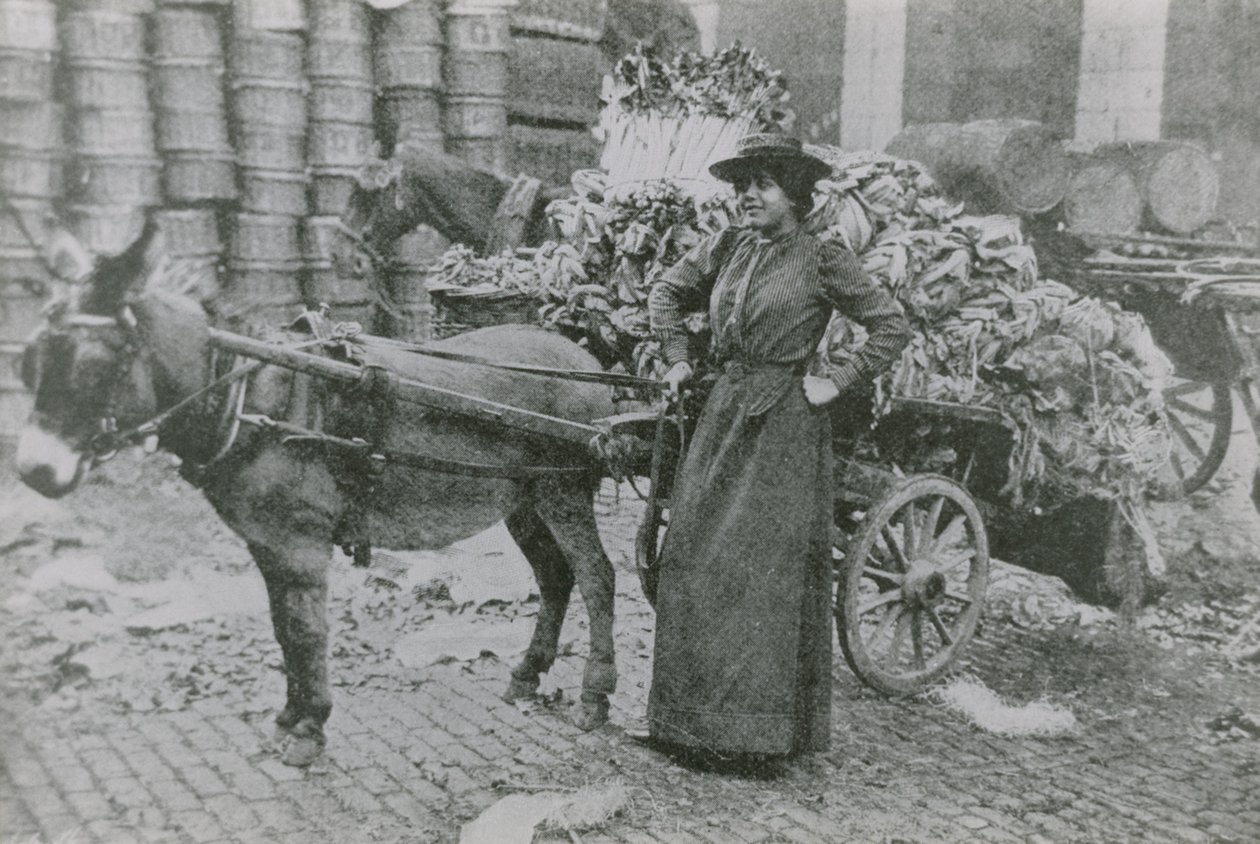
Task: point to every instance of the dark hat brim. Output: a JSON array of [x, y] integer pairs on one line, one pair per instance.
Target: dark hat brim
[[729, 169]]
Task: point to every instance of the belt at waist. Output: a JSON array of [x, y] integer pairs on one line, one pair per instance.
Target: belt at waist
[[766, 383]]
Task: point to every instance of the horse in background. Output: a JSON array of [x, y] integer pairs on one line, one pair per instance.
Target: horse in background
[[116, 354]]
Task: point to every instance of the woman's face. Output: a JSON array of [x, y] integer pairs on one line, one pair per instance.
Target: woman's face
[[766, 207]]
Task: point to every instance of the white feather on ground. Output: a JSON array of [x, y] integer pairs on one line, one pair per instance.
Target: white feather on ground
[[981, 706]]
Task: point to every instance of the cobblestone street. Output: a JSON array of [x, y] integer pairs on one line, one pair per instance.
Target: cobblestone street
[[419, 748]]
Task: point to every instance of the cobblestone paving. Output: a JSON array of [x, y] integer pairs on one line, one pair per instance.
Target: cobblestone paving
[[412, 764]]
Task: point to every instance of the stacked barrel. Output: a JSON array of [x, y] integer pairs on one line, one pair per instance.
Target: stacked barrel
[[476, 69], [408, 66], [339, 67], [554, 73], [115, 169], [199, 165], [268, 107], [31, 177]]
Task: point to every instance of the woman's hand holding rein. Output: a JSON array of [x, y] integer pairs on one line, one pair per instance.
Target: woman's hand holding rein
[[677, 375], [820, 391]]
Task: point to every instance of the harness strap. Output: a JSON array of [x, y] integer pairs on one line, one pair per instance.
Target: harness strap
[[414, 460], [610, 379]]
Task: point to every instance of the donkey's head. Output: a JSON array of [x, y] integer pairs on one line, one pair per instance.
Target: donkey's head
[[85, 369], [374, 217]]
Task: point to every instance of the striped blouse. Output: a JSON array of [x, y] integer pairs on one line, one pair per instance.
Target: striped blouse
[[770, 301]]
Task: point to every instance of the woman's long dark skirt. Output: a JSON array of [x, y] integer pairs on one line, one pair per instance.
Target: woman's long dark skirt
[[743, 630]]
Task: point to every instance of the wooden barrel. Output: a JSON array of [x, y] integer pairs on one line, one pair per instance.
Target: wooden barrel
[[32, 126], [269, 15], [189, 232], [331, 188], [258, 54], [477, 54], [334, 144], [265, 237], [20, 310], [341, 100], [28, 25], [192, 131], [412, 115], [1102, 196], [27, 219], [265, 147], [340, 61], [274, 191], [408, 66], [275, 102], [187, 85], [995, 166], [95, 33], [261, 293], [105, 229], [188, 33], [319, 234], [475, 117], [198, 177], [339, 21], [1178, 182], [408, 49], [31, 173], [107, 83], [27, 75], [110, 180], [122, 132], [348, 299]]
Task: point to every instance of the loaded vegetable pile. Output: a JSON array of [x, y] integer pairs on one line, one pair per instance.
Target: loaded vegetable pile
[[1077, 381]]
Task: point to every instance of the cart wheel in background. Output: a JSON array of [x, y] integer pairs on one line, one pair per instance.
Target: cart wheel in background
[[1201, 416], [912, 584], [647, 547]]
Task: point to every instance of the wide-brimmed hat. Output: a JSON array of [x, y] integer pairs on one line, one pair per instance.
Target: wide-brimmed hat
[[769, 148]]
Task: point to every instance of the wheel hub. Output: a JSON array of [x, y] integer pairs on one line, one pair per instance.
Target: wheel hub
[[924, 585]]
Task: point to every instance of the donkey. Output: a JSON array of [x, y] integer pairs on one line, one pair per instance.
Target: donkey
[[119, 351]]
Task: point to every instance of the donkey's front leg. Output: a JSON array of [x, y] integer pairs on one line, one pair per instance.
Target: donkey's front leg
[[569, 515], [296, 572], [555, 584]]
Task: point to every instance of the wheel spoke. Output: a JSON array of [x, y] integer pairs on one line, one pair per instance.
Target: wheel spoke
[[1185, 387], [1192, 409], [941, 629], [883, 599], [910, 530], [1178, 467], [962, 599], [929, 526], [885, 627], [899, 634], [886, 576], [895, 548], [916, 639], [1187, 439]]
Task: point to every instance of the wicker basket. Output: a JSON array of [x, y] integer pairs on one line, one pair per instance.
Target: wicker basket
[[331, 188], [181, 85], [195, 176], [345, 100], [31, 173], [340, 144], [111, 180], [28, 24], [187, 33], [27, 75], [98, 34], [477, 310], [267, 55], [274, 191], [31, 126]]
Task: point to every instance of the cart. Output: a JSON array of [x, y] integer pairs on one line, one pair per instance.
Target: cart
[[1204, 312]]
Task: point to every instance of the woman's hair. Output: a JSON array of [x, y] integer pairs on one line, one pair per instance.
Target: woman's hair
[[793, 180]]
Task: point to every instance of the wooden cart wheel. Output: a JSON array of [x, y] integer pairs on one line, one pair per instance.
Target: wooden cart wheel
[[1201, 416], [647, 547], [912, 584]]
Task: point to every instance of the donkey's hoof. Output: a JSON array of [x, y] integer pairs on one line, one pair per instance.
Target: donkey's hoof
[[590, 715], [301, 752], [518, 689]]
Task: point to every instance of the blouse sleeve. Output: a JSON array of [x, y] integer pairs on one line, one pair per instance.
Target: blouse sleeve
[[855, 295], [683, 288]]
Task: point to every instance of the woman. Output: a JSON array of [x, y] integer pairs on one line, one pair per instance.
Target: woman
[[743, 634]]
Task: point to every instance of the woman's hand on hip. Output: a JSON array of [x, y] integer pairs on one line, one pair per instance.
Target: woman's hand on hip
[[820, 391], [677, 375]]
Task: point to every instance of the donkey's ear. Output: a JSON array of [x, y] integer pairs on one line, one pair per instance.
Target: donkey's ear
[[113, 276]]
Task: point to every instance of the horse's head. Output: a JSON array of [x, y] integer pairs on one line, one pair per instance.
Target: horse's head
[[85, 369]]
